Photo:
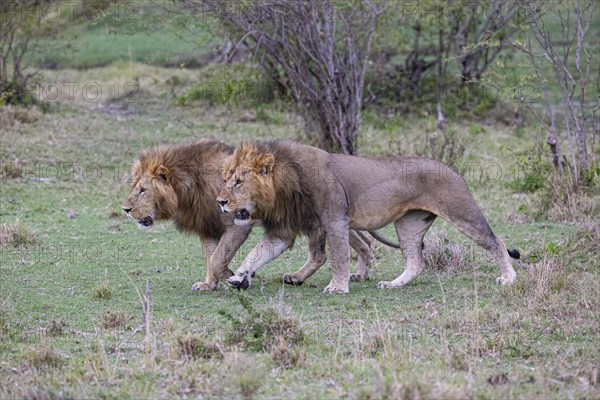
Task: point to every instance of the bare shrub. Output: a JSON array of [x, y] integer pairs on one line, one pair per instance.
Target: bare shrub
[[447, 146], [566, 57], [317, 50]]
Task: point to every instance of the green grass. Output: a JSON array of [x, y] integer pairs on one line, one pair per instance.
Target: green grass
[[135, 31], [448, 335]]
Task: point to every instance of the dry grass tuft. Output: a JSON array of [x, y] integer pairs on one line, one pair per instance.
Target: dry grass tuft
[[250, 382], [56, 327], [444, 255], [114, 320], [16, 234], [561, 200], [193, 347], [45, 356], [541, 283], [286, 355], [12, 170], [586, 241]]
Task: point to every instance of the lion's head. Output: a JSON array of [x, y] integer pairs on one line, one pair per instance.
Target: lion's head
[[249, 191], [152, 197]]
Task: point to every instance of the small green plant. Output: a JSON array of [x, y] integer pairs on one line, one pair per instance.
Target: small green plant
[[103, 290], [553, 248], [269, 329], [531, 172]]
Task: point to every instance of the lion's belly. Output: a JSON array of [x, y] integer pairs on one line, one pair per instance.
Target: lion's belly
[[362, 219]]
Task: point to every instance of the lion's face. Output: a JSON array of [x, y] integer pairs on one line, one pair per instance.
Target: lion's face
[[248, 190], [152, 197]]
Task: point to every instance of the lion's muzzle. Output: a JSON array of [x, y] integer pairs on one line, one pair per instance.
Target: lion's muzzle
[[147, 221], [242, 215]]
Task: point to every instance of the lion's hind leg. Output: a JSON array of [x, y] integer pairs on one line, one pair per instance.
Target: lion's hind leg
[[474, 225], [362, 244], [411, 229], [316, 258]]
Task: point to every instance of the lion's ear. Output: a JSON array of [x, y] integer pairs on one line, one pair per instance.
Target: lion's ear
[[265, 164], [163, 173]]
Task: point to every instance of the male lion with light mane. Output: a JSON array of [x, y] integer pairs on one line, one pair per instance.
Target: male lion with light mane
[[293, 188], [181, 183]]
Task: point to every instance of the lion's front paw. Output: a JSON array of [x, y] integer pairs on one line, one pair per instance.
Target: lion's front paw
[[336, 288], [239, 282], [386, 285], [204, 287], [505, 280], [358, 278], [291, 279]]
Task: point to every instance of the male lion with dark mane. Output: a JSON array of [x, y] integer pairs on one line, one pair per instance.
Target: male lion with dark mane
[[181, 183], [294, 188]]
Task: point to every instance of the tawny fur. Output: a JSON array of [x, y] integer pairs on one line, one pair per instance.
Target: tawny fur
[[295, 188]]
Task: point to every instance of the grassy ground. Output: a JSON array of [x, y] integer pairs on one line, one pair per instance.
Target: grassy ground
[[73, 270], [73, 273]]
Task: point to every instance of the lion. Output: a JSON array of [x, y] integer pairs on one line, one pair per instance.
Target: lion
[[181, 183], [298, 189]]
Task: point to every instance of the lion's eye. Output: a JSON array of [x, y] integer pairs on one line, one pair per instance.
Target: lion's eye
[[142, 190], [238, 182]]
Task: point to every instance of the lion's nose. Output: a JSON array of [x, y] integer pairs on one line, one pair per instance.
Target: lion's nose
[[126, 209], [222, 202]]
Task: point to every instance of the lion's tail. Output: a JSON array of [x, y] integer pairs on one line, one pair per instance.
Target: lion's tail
[[514, 253], [384, 240]]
